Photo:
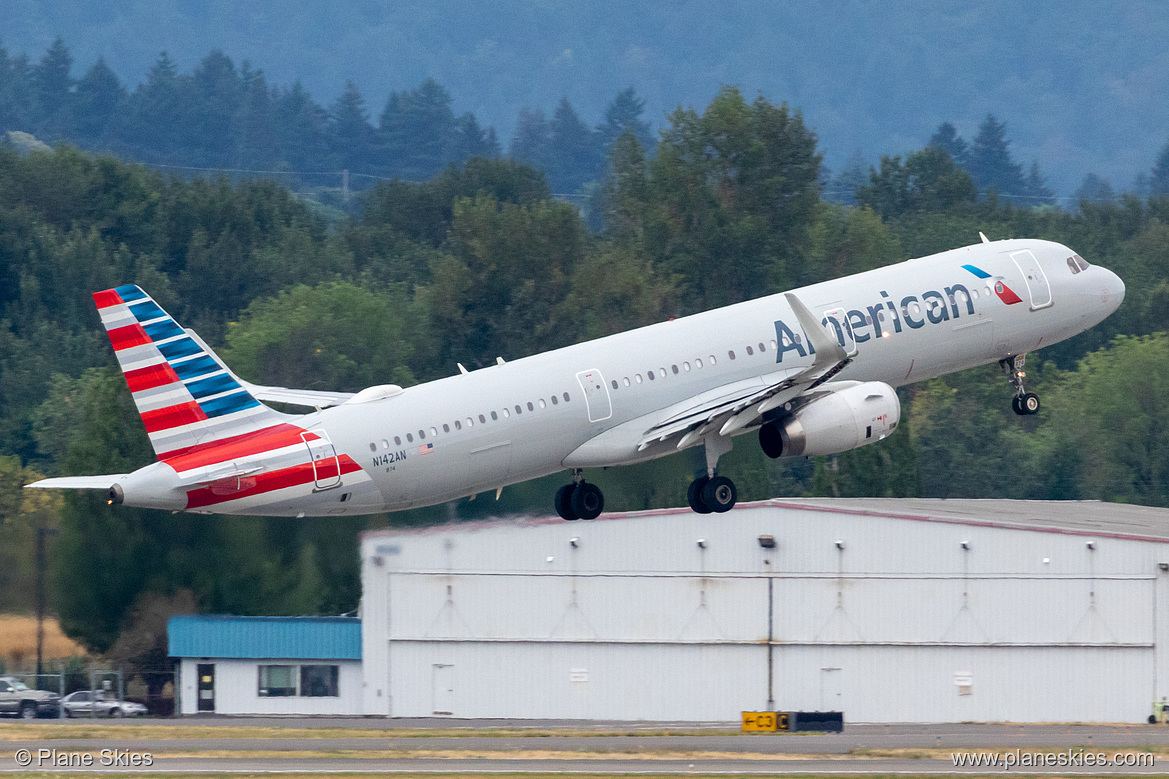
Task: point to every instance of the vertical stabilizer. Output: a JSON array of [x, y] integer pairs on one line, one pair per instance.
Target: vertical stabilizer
[[182, 392]]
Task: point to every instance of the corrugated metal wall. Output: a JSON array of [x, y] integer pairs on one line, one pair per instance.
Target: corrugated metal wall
[[876, 615]]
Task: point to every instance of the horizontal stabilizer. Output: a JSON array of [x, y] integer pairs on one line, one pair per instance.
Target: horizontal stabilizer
[[78, 482]]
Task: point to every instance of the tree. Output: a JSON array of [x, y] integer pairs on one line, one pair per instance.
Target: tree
[[1038, 192], [1094, 189], [844, 185], [98, 98], [253, 137], [417, 131], [52, 85], [350, 132], [1159, 178], [302, 130], [471, 140], [624, 115], [946, 138], [572, 157], [733, 192], [530, 143], [16, 93], [928, 182], [159, 113], [143, 646], [990, 162]]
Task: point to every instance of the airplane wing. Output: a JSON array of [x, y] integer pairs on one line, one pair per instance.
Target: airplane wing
[[78, 482], [295, 397], [736, 406]]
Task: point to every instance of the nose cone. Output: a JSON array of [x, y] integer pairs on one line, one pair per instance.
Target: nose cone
[[1111, 291]]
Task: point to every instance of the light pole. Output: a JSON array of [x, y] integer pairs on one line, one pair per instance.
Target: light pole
[[42, 531]]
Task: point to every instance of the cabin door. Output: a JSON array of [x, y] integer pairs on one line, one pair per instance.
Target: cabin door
[[836, 323], [326, 466], [596, 395], [1035, 279]]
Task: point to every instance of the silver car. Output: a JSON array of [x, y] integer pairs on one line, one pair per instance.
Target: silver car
[[83, 703]]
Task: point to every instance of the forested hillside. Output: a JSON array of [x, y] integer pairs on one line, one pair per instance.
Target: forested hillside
[[1080, 83], [480, 261]]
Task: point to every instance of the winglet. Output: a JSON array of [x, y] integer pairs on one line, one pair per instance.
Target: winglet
[[982, 235], [828, 351]]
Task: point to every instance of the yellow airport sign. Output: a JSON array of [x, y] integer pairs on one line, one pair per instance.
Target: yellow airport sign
[[761, 721]]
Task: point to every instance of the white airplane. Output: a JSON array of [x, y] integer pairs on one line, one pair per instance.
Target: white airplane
[[810, 372]]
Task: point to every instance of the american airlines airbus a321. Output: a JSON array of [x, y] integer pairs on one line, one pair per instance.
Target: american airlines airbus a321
[[808, 372]]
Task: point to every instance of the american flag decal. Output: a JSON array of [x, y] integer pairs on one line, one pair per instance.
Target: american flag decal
[[426, 449]]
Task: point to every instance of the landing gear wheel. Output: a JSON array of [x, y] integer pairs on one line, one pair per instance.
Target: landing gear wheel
[[587, 501], [694, 495], [1016, 406], [1029, 403], [563, 502], [719, 494], [770, 440]]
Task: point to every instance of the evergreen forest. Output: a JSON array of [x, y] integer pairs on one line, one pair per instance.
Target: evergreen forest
[[458, 253]]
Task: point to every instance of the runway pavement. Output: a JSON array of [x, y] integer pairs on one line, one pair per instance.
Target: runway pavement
[[452, 746]]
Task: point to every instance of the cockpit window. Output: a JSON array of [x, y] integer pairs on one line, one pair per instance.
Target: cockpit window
[[1073, 266], [1080, 261]]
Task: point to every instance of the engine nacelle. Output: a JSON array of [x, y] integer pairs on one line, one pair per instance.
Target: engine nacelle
[[850, 416]]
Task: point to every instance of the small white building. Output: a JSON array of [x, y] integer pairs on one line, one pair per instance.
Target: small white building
[[889, 610], [267, 665]]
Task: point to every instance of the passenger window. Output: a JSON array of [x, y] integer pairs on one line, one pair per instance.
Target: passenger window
[[730, 354], [506, 414], [410, 437], [446, 428], [774, 346], [421, 435], [556, 400], [397, 440], [519, 410], [762, 348], [566, 398], [714, 361], [750, 351], [458, 425], [482, 418], [494, 416], [385, 444], [470, 422], [662, 372], [650, 374], [974, 294], [614, 383], [637, 377], [674, 368], [686, 366], [530, 406], [698, 362], [625, 381], [543, 404], [434, 431], [372, 447]]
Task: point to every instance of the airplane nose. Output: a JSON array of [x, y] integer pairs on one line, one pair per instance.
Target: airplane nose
[[1113, 290]]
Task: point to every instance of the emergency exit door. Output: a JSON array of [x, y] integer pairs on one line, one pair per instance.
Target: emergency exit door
[[326, 466]]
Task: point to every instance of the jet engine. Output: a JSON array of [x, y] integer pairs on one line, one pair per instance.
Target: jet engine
[[848, 415]]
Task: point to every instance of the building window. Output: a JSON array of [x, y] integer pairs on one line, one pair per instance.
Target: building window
[[277, 681], [318, 681]]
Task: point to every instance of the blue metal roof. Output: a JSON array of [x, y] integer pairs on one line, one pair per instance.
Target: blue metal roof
[[295, 638]]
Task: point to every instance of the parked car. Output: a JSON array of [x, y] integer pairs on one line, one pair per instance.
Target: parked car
[[18, 699], [103, 704]]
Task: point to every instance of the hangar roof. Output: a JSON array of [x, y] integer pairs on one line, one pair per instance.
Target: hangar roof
[[1079, 517], [293, 638]]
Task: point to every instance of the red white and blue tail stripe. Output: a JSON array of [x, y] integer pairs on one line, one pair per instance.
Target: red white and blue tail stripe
[[184, 395]]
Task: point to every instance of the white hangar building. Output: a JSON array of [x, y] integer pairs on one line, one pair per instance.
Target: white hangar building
[[890, 610]]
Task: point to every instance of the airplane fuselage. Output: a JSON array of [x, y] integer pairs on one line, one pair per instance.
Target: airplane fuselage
[[630, 397], [535, 416]]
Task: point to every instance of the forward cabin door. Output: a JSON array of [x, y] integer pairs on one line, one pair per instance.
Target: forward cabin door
[[1035, 279], [596, 395]]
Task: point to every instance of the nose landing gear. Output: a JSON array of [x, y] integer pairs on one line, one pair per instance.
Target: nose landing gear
[[1024, 403], [579, 500]]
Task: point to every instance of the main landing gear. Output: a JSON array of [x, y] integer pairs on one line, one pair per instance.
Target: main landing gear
[[1024, 403], [579, 500], [713, 492]]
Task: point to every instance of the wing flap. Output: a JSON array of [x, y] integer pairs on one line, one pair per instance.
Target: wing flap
[[736, 406]]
